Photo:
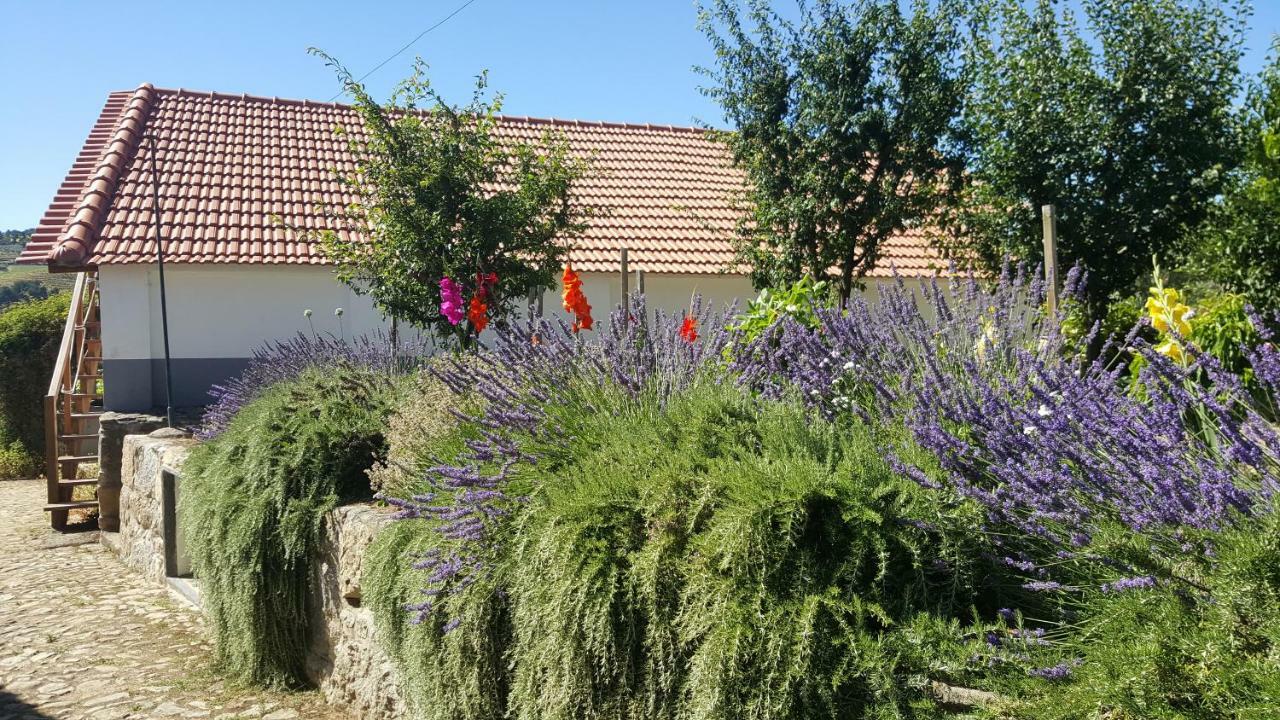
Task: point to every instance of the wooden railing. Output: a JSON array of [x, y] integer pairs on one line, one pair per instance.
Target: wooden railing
[[69, 410]]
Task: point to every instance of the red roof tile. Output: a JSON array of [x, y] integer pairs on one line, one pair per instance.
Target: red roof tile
[[235, 171]]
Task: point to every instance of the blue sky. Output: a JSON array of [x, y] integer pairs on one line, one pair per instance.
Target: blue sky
[[619, 60]]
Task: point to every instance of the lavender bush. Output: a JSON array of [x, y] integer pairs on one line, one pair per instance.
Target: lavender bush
[[288, 359], [1055, 448], [504, 394]]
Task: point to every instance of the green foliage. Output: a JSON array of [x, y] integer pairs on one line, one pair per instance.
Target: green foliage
[[841, 125], [15, 237], [21, 290], [252, 504], [1124, 120], [1238, 247], [797, 302], [30, 333], [1193, 653], [442, 195], [721, 557], [1221, 328], [16, 462], [418, 430]]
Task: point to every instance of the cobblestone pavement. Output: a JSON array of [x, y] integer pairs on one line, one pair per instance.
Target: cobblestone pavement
[[83, 637]]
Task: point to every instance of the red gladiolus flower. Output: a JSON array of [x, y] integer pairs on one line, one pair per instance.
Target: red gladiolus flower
[[575, 301], [689, 329], [478, 313], [485, 282]]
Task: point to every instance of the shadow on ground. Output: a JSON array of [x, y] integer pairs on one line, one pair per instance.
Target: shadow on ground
[[14, 708]]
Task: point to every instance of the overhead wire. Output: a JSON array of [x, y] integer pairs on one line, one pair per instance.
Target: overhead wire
[[408, 45]]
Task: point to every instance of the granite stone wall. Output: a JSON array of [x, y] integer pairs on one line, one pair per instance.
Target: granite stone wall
[[140, 542], [113, 428], [344, 660]]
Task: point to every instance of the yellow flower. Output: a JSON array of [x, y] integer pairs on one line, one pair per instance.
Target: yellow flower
[[1172, 349], [1167, 312], [986, 339], [1156, 310]]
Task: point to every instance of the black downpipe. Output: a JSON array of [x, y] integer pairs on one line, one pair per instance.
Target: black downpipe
[[164, 307]]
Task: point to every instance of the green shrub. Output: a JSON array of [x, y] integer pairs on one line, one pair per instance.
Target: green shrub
[[1199, 651], [1222, 328], [422, 420], [797, 302], [253, 502], [30, 333], [16, 462], [719, 557]]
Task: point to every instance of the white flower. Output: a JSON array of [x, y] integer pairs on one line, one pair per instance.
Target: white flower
[[849, 365], [337, 312], [306, 313], [1029, 430], [1044, 411]]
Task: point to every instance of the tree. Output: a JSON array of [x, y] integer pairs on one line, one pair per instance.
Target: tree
[[1238, 247], [15, 237], [1129, 131], [441, 195], [22, 290], [841, 124]]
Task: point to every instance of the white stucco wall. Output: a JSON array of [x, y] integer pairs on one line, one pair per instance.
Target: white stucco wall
[[219, 314], [227, 311]]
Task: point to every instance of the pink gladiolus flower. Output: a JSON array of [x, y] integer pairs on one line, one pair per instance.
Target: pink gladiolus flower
[[451, 306]]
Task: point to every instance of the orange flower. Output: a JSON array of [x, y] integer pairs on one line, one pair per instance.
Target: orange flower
[[689, 328], [574, 301], [478, 313]]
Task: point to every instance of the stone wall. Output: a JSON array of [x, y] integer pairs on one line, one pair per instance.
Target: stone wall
[[144, 458], [113, 428], [344, 660]]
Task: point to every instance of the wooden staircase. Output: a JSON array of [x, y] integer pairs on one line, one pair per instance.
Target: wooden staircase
[[73, 403]]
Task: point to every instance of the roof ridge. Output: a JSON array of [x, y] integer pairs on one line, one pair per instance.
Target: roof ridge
[[72, 246], [245, 97]]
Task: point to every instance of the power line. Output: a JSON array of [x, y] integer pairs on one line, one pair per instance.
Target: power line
[[408, 45]]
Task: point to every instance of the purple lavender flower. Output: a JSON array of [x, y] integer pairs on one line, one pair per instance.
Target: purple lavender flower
[[1042, 586], [1053, 447], [529, 369], [1061, 671], [1130, 583], [285, 360]]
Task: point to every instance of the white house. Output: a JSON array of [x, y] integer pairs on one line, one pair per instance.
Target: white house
[[234, 171]]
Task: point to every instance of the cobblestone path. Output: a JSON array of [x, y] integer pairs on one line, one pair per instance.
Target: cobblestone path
[[83, 637]]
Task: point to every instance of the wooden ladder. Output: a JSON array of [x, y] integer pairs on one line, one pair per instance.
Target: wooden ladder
[[73, 403]]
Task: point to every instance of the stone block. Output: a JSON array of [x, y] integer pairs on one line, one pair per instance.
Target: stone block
[[113, 428]]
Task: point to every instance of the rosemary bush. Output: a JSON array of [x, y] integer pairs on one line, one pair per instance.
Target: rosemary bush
[[703, 555], [253, 503]]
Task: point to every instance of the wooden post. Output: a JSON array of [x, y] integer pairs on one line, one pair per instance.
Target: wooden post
[[1049, 218], [640, 281], [626, 289]]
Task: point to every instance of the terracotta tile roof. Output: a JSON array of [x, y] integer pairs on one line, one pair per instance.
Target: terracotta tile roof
[[237, 171]]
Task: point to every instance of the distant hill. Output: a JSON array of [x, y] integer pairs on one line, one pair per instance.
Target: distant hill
[[15, 237], [25, 282]]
